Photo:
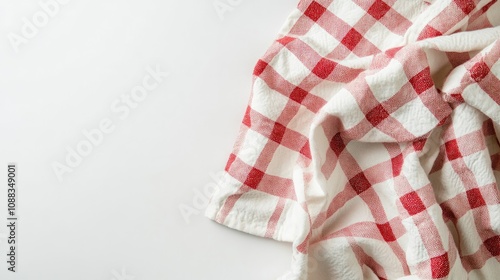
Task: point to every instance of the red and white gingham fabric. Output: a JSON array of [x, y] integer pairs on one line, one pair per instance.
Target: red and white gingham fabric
[[371, 141]]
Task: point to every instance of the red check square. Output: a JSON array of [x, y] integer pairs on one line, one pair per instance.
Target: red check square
[[479, 71], [259, 67], [377, 115], [277, 132], [378, 9], [254, 177], [466, 6], [386, 231], [452, 150], [429, 32], [298, 95], [314, 11], [324, 67], [440, 266], [475, 198], [412, 203], [351, 39], [397, 164], [337, 144], [360, 183], [493, 245], [422, 81], [285, 40]]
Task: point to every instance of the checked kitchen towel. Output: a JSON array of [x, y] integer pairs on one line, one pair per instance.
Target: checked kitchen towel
[[371, 141]]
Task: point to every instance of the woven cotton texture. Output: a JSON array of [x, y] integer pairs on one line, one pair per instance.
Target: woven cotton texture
[[371, 142]]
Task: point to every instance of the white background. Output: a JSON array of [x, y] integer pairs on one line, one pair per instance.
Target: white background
[[116, 215]]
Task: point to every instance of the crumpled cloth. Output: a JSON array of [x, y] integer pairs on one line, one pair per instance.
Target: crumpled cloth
[[371, 142]]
